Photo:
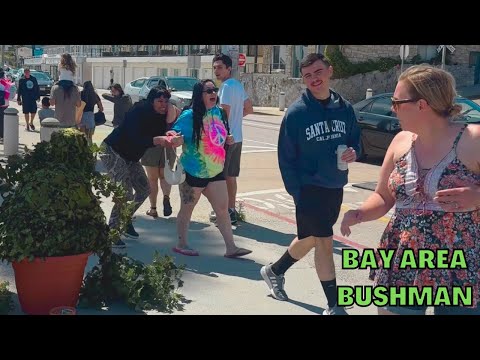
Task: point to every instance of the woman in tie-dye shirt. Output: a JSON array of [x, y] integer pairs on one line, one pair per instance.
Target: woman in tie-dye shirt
[[205, 134]]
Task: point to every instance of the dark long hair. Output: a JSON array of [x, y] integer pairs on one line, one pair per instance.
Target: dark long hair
[[199, 110]]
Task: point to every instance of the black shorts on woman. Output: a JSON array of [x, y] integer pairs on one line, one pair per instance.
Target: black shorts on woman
[[201, 182]]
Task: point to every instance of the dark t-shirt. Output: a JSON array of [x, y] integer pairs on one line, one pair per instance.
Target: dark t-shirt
[[90, 102], [135, 135]]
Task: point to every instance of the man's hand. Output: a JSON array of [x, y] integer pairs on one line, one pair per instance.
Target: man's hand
[[230, 140], [349, 155], [19, 102]]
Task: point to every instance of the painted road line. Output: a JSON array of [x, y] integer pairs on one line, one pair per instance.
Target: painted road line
[[260, 192], [258, 151], [248, 123], [261, 142], [291, 221]]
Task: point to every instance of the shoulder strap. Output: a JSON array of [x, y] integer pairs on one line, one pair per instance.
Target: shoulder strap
[[225, 120], [457, 139]]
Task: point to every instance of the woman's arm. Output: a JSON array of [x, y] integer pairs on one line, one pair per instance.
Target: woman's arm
[[99, 104], [382, 200]]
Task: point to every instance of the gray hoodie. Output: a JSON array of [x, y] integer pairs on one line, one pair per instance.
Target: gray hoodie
[[121, 104]]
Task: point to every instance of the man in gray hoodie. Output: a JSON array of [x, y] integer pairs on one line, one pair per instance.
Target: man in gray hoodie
[[121, 103]]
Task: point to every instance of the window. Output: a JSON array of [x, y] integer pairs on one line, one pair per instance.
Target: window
[[176, 72], [278, 58], [161, 83], [472, 58], [163, 72], [138, 83], [427, 52], [320, 49], [152, 83], [382, 106]]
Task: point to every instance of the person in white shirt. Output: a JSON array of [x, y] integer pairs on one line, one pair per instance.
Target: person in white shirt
[[236, 103], [66, 69]]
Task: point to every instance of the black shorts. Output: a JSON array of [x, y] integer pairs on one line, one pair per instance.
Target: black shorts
[[202, 183], [29, 107], [317, 211]]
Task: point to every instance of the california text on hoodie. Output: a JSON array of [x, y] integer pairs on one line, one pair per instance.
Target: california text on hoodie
[[308, 140]]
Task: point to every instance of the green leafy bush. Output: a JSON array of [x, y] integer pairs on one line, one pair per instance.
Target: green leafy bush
[[343, 67], [140, 286], [49, 206]]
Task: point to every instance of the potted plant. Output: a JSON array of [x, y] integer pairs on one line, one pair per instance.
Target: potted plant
[[51, 220]]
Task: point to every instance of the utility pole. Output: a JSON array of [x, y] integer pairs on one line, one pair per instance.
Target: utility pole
[[3, 55], [444, 53]]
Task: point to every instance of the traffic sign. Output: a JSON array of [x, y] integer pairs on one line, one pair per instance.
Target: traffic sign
[[449, 47], [242, 59], [404, 51]]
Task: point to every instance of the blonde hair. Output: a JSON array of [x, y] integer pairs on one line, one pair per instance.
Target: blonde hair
[[435, 86], [67, 62]]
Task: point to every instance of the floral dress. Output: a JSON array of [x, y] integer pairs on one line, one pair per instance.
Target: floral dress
[[420, 223]]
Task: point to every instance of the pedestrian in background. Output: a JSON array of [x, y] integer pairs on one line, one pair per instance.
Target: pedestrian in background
[[91, 98], [121, 103], [27, 97], [234, 100]]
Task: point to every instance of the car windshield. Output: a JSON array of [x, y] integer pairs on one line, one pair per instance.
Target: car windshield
[[40, 76], [470, 111], [182, 84]]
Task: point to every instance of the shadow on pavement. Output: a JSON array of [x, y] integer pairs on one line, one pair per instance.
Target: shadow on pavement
[[262, 234], [309, 307]]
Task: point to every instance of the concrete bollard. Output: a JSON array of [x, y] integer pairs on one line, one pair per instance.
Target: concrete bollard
[[369, 94], [10, 132], [48, 127], [281, 101]]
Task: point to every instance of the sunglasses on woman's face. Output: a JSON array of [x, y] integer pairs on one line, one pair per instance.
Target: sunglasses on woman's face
[[211, 91], [396, 102]]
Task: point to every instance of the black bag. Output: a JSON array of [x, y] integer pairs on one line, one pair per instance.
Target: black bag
[[99, 118]]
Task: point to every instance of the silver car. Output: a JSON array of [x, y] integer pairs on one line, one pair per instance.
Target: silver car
[[181, 88]]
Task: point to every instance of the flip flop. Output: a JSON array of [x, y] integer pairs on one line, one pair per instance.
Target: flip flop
[[186, 251], [239, 252]]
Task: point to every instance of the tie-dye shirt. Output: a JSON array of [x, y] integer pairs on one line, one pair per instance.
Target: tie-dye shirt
[[207, 161]]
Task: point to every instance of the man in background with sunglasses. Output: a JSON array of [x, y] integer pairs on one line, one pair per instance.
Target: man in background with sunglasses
[[236, 103]]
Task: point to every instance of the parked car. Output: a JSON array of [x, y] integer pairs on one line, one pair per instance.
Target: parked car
[[379, 124], [180, 86], [134, 87], [45, 82]]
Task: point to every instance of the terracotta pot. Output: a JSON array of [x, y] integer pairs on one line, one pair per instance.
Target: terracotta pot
[[45, 284]]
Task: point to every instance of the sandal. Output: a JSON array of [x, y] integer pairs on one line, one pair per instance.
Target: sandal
[[186, 251], [239, 252], [152, 212]]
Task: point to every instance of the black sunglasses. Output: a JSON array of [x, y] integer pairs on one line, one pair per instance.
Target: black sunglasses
[[396, 102], [211, 90]]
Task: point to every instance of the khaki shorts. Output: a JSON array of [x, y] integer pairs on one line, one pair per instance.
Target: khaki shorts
[[232, 160], [155, 157]]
